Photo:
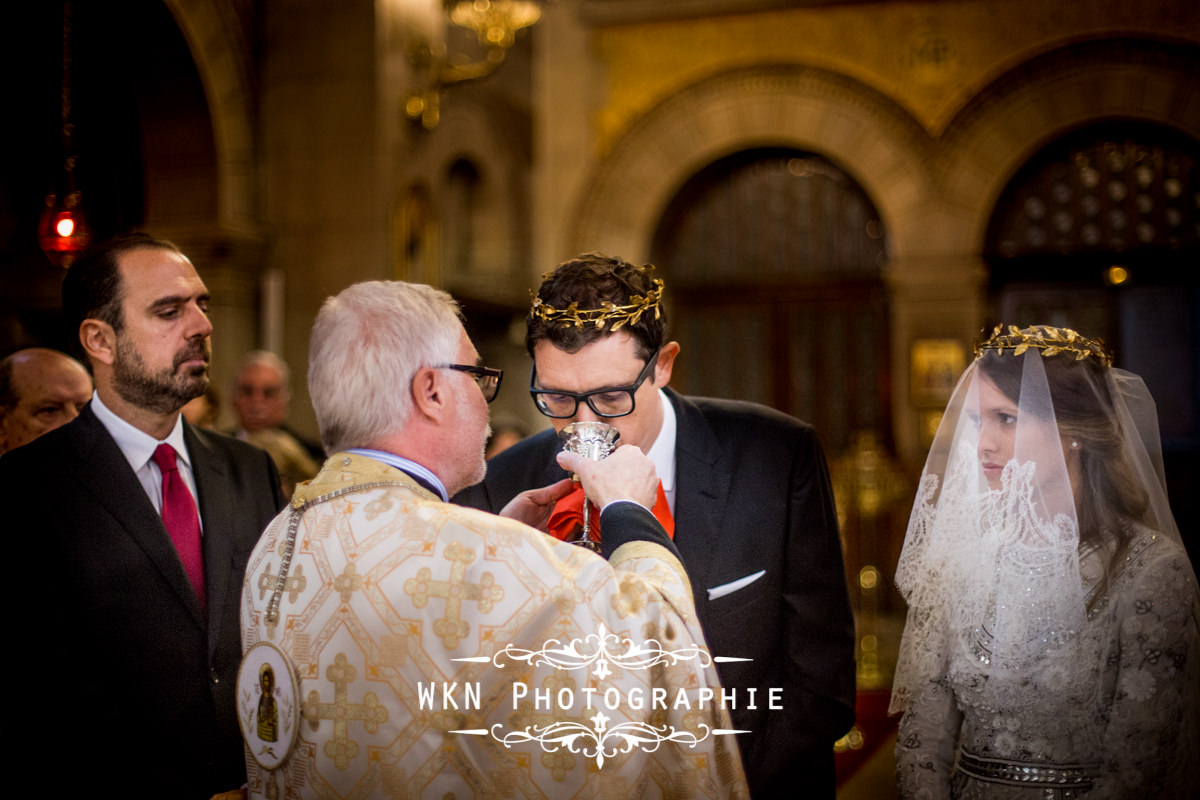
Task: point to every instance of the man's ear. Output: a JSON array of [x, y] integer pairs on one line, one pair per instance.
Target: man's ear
[[666, 363], [99, 340], [429, 395]]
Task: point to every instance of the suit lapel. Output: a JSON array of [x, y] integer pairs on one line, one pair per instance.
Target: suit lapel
[[537, 468], [102, 468], [213, 488], [702, 484]]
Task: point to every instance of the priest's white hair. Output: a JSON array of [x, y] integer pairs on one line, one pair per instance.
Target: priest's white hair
[[367, 344]]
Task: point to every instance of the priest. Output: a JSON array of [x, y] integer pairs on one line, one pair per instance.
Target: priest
[[415, 647]]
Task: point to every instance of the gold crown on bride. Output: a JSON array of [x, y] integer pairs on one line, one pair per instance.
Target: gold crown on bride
[[1050, 340], [608, 314]]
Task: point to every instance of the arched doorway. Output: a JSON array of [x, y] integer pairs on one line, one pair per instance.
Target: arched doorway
[[1100, 231], [772, 258]]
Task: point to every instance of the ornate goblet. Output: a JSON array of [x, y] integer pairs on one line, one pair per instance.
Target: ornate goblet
[[594, 440]]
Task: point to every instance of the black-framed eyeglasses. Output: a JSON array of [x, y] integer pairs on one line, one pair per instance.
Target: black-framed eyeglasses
[[615, 402], [486, 378]]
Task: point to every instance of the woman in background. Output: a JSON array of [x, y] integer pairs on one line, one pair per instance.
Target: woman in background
[[1051, 648]]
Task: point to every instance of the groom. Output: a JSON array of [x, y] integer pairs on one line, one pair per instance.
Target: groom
[[746, 490]]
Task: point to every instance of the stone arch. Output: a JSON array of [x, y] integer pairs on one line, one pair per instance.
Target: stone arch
[[878, 143], [1049, 96], [228, 240], [218, 44]]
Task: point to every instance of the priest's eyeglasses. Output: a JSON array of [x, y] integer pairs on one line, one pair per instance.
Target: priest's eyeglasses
[[486, 378], [614, 402]]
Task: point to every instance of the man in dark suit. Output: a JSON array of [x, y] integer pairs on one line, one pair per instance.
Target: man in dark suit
[[749, 494], [126, 559]]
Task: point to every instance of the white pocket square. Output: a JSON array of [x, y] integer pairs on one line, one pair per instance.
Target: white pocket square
[[733, 586]]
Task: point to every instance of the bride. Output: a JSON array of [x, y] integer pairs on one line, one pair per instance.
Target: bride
[[1052, 648]]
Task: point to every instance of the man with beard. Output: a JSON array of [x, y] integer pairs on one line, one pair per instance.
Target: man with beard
[[128, 533]]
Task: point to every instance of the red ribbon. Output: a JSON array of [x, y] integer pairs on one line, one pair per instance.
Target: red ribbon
[[566, 519]]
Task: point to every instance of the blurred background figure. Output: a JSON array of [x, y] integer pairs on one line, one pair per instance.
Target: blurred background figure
[[40, 390], [261, 393], [204, 410]]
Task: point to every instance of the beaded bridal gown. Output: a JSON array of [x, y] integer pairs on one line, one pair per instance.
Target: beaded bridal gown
[[1037, 663], [1056, 730]]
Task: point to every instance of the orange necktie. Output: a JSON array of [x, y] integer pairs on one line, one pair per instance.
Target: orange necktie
[[567, 517]]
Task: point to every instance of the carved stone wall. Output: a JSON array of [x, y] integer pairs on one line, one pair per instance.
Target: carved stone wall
[[935, 188]]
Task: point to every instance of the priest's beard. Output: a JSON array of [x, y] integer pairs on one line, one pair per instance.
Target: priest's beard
[[163, 392], [472, 465], [467, 462]]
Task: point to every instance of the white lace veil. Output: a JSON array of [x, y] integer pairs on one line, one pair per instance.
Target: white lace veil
[[1044, 453]]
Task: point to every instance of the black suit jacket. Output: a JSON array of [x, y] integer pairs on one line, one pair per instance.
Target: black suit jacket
[[752, 494], [125, 687]]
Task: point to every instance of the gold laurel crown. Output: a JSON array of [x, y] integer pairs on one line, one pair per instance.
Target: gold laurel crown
[[1050, 340], [609, 313]]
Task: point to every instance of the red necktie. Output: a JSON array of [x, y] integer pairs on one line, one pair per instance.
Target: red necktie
[[567, 516], [181, 519]]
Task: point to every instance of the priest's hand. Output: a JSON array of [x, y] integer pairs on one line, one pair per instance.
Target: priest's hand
[[627, 474], [533, 507]]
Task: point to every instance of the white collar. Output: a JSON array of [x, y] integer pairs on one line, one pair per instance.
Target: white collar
[[662, 452], [405, 465], [137, 446]]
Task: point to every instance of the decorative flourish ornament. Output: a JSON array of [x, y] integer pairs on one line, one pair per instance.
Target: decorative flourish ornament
[[600, 649], [600, 741], [1050, 340]]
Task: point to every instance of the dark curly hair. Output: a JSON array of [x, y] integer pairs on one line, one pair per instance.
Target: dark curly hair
[[589, 281]]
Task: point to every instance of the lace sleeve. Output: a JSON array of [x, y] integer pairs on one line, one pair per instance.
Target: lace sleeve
[[1150, 742], [927, 741]]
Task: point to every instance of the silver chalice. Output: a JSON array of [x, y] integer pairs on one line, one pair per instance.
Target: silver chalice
[[594, 440]]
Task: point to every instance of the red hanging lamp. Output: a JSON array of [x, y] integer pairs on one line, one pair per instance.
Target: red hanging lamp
[[62, 228]]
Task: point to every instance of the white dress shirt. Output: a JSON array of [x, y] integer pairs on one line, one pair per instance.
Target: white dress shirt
[[662, 452], [138, 448]]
